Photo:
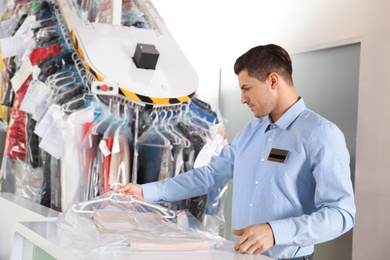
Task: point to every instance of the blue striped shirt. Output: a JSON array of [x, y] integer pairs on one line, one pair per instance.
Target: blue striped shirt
[[308, 199]]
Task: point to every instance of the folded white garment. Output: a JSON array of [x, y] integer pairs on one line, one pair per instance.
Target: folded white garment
[[170, 244]]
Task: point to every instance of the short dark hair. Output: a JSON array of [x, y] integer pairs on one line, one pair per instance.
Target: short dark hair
[[262, 60]]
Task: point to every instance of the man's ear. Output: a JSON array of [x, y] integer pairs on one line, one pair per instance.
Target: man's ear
[[274, 80]]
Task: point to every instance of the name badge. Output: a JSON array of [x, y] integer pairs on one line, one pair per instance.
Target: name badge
[[277, 155]]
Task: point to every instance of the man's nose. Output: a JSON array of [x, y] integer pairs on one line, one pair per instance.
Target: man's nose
[[244, 99]]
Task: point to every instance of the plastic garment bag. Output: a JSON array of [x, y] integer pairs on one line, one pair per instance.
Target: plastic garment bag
[[18, 176], [119, 223], [16, 146], [3, 138], [99, 11], [106, 150], [120, 167], [154, 156], [8, 94], [51, 187], [33, 143], [71, 172]]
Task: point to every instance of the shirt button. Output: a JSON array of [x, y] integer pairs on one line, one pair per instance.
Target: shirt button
[[257, 182], [262, 159], [251, 204], [269, 139]]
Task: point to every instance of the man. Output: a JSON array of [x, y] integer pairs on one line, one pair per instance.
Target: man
[[290, 167]]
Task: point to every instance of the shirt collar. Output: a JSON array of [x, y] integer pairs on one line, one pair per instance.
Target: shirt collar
[[291, 114]]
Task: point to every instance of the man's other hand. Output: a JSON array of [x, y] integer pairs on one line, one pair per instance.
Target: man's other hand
[[254, 239]]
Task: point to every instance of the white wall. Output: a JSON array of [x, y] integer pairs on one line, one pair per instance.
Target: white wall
[[213, 33]]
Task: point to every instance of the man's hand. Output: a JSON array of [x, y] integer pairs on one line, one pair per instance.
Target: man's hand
[[132, 188], [254, 239]]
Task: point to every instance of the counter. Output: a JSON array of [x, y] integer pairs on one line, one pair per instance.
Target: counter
[[23, 223]]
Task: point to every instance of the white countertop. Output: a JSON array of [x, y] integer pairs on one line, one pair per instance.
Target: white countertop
[[49, 237], [35, 223]]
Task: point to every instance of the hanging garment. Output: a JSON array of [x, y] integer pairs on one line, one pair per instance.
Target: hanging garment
[[16, 145], [3, 109], [8, 94], [55, 184], [107, 160], [120, 162], [42, 11], [154, 163], [51, 65], [3, 138], [33, 143], [73, 173], [46, 186], [39, 54]]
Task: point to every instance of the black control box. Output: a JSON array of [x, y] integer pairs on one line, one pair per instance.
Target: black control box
[[146, 56]]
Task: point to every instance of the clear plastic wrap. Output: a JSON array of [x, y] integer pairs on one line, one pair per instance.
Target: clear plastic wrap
[[72, 174], [114, 223], [3, 137], [3, 109], [99, 11]]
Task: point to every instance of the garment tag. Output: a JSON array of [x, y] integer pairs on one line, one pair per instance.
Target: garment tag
[[3, 34], [204, 155], [53, 141], [28, 103], [103, 147], [179, 163], [36, 71], [12, 46], [2, 4], [41, 101], [6, 25], [21, 76], [24, 27], [47, 120], [277, 155], [115, 145]]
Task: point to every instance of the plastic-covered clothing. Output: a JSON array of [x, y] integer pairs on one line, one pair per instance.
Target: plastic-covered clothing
[[73, 174], [124, 224]]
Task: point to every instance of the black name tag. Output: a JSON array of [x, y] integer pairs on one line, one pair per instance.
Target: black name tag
[[277, 155]]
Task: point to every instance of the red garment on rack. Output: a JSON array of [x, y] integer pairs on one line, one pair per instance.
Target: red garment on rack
[[106, 164], [89, 153], [16, 144], [39, 54], [16, 5]]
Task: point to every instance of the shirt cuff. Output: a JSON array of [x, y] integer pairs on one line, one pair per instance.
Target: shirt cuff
[[151, 191], [282, 232]]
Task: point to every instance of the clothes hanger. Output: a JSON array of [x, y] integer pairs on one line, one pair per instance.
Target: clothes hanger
[[154, 130], [174, 139], [187, 116], [53, 79], [118, 198], [186, 143], [78, 103]]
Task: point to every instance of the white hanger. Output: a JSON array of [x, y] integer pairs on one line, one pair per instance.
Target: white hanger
[[117, 198]]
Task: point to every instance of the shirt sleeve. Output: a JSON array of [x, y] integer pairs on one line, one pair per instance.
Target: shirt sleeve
[[334, 199], [195, 182]]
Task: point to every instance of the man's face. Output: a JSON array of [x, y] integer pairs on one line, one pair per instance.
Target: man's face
[[256, 94]]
